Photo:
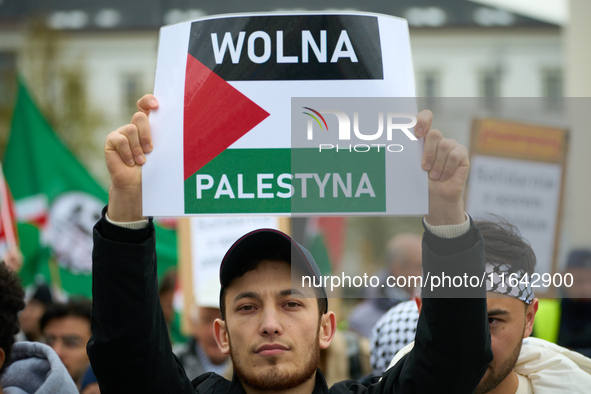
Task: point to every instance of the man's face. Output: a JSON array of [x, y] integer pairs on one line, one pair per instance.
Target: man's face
[[273, 331], [68, 337], [203, 331], [409, 262], [510, 321]]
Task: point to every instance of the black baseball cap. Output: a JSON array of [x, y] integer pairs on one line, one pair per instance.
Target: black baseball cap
[[257, 241], [43, 294]]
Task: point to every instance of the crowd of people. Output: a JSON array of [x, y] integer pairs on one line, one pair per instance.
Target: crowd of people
[[259, 331]]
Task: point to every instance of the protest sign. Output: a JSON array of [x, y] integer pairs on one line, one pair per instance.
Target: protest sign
[[517, 172], [285, 114]]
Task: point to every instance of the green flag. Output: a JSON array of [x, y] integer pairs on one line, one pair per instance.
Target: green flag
[[57, 203]]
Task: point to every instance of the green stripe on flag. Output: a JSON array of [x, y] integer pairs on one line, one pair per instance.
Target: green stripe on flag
[[288, 181]]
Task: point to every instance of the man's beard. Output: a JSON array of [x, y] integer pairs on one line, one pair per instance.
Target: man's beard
[[489, 383], [273, 378]]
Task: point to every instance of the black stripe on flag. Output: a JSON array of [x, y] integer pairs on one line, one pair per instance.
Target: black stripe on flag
[[298, 47]]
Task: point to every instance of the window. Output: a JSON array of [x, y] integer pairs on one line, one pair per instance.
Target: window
[[7, 80], [430, 84], [7, 94], [429, 88], [490, 87], [132, 89], [552, 87]]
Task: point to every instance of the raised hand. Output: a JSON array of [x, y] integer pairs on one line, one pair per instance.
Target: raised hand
[[448, 166], [125, 153]]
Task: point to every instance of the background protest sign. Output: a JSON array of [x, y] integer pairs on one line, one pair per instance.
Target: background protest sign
[[517, 172], [223, 135]]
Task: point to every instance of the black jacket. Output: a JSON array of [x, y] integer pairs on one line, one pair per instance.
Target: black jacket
[[130, 351]]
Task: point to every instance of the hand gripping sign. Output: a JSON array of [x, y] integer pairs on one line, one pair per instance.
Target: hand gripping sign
[[285, 114]]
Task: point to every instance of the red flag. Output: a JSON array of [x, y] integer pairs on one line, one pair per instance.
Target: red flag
[[325, 238]]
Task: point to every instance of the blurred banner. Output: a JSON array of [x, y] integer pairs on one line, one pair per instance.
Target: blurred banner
[[57, 204], [325, 239]]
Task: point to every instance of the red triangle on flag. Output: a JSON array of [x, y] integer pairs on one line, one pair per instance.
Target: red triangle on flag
[[216, 115]]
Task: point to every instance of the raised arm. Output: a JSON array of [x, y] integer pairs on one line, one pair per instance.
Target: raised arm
[[452, 344], [130, 350]]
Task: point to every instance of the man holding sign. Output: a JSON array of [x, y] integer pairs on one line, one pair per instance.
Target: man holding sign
[[274, 328]]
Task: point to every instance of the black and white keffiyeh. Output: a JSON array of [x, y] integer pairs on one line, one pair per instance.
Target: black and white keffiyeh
[[500, 278], [395, 329]]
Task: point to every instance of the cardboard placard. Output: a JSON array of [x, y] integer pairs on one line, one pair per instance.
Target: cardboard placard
[[517, 172]]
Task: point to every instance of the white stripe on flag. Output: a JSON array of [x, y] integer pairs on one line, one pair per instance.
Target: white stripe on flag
[[32, 208]]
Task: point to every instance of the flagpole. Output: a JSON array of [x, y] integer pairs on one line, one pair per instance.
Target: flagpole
[[5, 212]]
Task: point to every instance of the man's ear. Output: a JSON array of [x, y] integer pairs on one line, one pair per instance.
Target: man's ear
[[220, 331], [328, 327], [419, 302], [530, 315]]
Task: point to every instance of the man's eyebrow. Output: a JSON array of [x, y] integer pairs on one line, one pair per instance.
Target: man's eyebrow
[[246, 294], [496, 312], [295, 292]]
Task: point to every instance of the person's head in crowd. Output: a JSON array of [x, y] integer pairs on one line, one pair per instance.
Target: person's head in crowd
[[511, 305], [272, 327], [511, 309], [34, 310], [166, 293], [578, 265], [203, 315], [404, 258], [11, 302], [66, 328]]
